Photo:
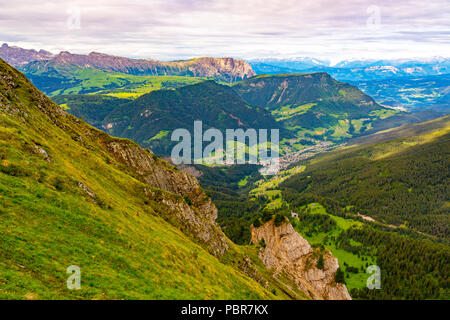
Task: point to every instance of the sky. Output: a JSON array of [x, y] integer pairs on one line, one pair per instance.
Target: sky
[[251, 29]]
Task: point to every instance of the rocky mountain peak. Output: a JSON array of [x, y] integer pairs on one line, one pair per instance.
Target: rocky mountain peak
[[16, 56]]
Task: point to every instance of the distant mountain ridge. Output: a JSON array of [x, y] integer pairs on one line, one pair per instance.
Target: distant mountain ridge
[[421, 93], [17, 56], [409, 84], [57, 74], [225, 69], [356, 69]]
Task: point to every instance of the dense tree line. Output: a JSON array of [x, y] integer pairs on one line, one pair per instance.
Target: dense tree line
[[410, 268], [236, 211], [315, 223], [410, 188]]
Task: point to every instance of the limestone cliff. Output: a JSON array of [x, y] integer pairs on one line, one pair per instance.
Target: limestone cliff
[[227, 69], [287, 253]]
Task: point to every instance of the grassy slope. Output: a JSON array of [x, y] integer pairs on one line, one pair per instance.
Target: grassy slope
[[121, 242], [70, 79]]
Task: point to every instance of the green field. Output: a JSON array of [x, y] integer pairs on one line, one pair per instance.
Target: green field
[[345, 258], [269, 187], [119, 85]]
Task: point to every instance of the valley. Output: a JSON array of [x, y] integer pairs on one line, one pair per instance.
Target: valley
[[412, 85], [363, 180], [355, 217]]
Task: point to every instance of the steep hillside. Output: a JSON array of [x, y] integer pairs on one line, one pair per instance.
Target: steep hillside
[[72, 195], [151, 118], [313, 105]]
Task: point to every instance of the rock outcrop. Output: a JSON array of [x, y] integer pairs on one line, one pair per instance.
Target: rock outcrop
[[194, 213], [287, 253], [229, 69]]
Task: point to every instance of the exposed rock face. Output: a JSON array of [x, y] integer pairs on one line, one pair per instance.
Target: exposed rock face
[[16, 56], [196, 218], [226, 69], [187, 168], [288, 253]]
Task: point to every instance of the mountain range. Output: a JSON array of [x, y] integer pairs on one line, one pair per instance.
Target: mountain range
[[226, 69], [419, 83], [136, 226], [300, 105], [38, 62], [83, 198], [407, 84], [311, 106], [17, 56], [352, 70]]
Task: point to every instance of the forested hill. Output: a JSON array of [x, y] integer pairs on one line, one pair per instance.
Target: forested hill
[[296, 89], [151, 118], [313, 105], [403, 182]]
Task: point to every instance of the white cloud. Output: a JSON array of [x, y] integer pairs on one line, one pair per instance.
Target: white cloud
[[167, 29]]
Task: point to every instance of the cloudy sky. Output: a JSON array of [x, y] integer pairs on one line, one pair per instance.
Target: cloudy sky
[[172, 29]]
